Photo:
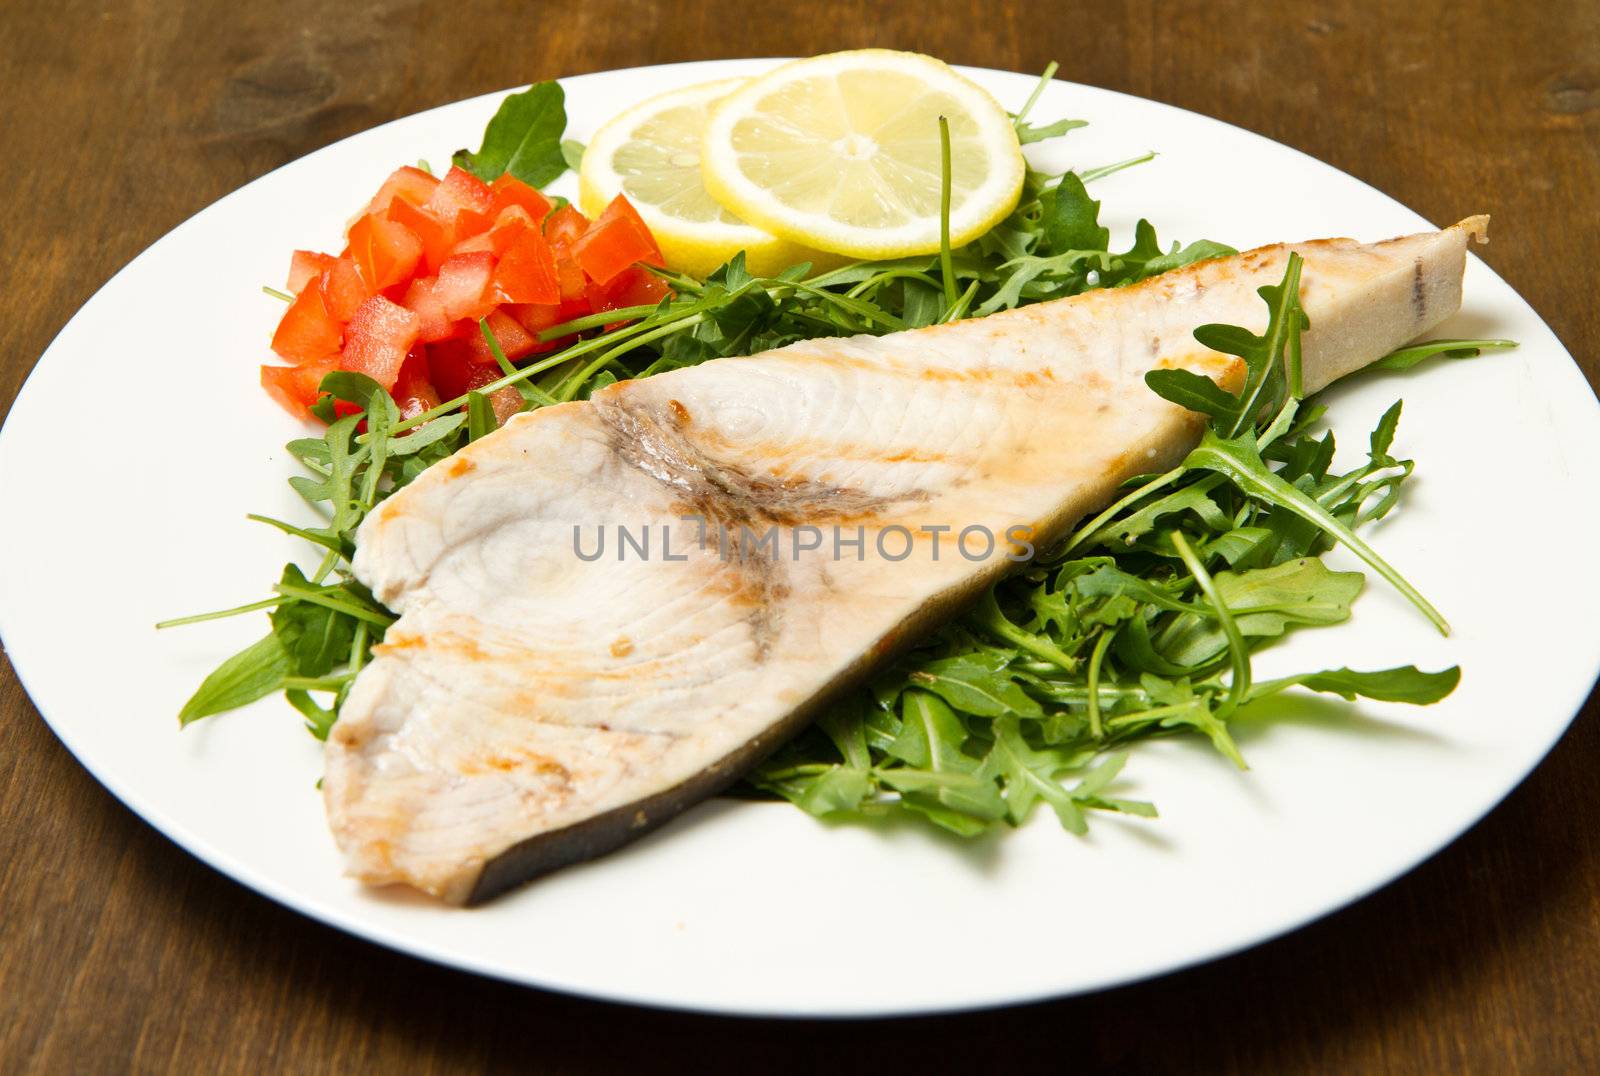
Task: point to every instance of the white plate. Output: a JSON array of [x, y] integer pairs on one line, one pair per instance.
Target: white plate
[[141, 440]]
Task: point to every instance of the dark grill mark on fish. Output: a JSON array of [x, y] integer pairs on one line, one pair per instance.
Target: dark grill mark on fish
[[743, 505], [725, 492], [1419, 291]]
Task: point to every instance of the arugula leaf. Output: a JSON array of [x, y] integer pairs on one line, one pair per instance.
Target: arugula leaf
[[523, 139], [1071, 218], [1408, 357], [1028, 133], [253, 673], [1405, 683]]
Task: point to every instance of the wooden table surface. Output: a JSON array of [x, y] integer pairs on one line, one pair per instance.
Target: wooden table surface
[[121, 118]]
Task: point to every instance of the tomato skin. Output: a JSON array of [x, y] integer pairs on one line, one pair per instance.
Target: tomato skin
[[386, 253], [304, 267], [434, 235], [307, 331], [463, 285], [377, 340], [412, 185], [295, 387], [617, 239], [343, 289], [511, 191]]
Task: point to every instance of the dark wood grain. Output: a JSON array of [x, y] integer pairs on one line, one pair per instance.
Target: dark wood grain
[[120, 119]]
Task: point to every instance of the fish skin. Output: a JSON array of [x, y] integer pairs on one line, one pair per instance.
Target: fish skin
[[529, 709]]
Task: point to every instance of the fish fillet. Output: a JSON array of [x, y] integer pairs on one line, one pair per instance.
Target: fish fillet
[[531, 707]]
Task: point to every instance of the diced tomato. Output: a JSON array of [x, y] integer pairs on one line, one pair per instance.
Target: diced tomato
[[482, 243], [295, 387], [426, 227], [304, 267], [413, 392], [377, 340], [468, 223], [535, 317], [526, 271], [422, 299], [511, 191], [634, 286], [386, 253], [454, 371], [574, 285], [616, 240], [454, 374], [306, 331], [461, 190], [515, 340], [508, 228], [463, 285], [564, 227], [412, 185], [343, 290]]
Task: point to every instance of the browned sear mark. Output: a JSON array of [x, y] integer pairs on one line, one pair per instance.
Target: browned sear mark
[[621, 647]]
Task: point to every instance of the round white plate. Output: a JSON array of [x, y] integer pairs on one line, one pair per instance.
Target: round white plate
[[141, 440]]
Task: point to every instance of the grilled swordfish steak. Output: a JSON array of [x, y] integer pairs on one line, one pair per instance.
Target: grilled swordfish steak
[[790, 518]]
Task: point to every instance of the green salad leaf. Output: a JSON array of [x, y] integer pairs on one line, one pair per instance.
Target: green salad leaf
[[523, 138]]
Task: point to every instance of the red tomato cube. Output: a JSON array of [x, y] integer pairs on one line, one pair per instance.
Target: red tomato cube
[[295, 387], [386, 253], [307, 331], [378, 339], [514, 340], [460, 190], [535, 317], [426, 227], [526, 272], [564, 227], [343, 290], [304, 267], [422, 299], [413, 392], [617, 239], [511, 191], [413, 185], [634, 286], [463, 285]]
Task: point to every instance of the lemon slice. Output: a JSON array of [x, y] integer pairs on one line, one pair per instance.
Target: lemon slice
[[651, 153], [841, 152]]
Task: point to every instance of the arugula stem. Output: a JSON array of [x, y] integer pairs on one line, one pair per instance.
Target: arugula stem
[[1254, 478], [1101, 645], [1239, 656], [328, 601], [1050, 70], [1089, 175], [1088, 529], [988, 614], [220, 614]]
